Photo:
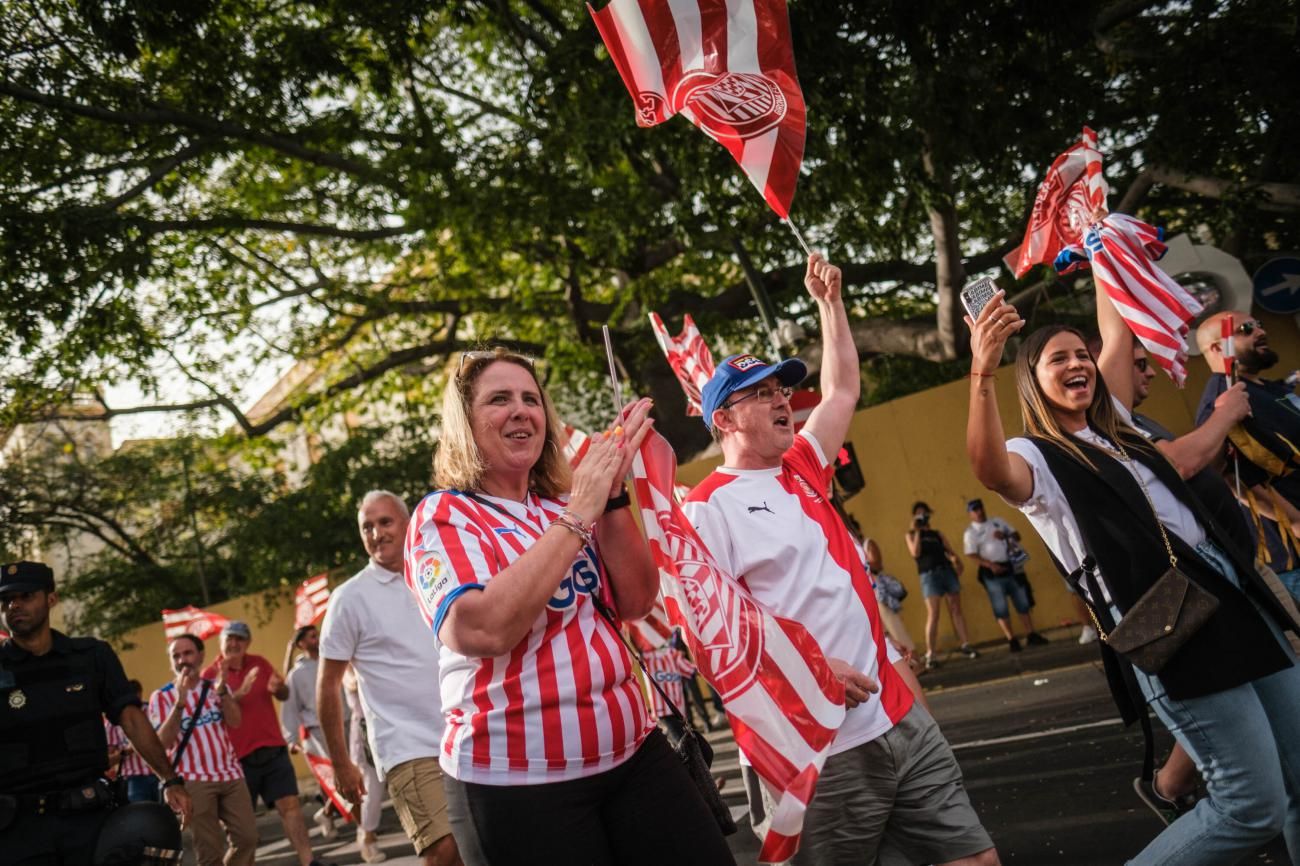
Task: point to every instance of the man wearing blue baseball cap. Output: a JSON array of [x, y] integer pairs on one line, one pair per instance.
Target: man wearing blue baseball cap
[[766, 516]]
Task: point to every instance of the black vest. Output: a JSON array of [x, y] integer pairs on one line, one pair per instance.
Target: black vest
[[1119, 529], [51, 723]]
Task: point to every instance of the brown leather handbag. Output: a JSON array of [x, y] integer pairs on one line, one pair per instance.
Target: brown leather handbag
[[1162, 620]]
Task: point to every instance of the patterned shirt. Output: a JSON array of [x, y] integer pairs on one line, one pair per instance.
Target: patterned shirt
[[209, 757], [563, 703]]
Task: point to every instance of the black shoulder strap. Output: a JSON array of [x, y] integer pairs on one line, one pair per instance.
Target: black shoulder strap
[[636, 654], [187, 731]]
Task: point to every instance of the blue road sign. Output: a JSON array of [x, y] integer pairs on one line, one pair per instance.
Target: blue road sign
[[1277, 285]]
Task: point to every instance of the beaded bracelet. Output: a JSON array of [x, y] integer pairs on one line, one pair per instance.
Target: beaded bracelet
[[573, 523]]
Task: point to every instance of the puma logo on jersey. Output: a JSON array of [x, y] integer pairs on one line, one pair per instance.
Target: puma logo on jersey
[[763, 507]]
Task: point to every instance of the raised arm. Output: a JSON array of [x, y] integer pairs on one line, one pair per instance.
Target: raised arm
[[996, 468], [491, 621], [1194, 451], [841, 381], [1116, 362], [628, 564]]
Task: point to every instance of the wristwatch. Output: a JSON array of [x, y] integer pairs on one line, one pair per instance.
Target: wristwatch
[[173, 782], [623, 500]]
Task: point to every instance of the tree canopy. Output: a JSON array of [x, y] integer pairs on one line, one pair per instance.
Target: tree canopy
[[190, 191]]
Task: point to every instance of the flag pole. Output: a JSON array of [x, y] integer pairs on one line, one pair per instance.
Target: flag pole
[[613, 374], [1227, 328], [797, 236]]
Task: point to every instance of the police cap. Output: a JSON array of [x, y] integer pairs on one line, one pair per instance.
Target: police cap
[[26, 577]]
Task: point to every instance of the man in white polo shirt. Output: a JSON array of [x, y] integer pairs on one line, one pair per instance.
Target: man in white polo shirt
[[374, 624], [891, 791]]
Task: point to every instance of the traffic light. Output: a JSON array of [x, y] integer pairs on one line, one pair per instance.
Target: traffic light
[[848, 475]]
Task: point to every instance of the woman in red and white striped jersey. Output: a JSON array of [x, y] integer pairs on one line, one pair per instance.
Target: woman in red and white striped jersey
[[550, 752]]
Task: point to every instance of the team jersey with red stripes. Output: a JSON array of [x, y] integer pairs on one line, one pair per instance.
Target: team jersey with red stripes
[[563, 703], [778, 533], [209, 757], [132, 764], [669, 668]]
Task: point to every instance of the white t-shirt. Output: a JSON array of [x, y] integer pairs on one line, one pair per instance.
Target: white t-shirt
[[777, 532], [1049, 511], [978, 540], [374, 623]]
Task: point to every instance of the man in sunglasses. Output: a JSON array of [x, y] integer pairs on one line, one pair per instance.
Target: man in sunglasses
[[767, 518], [1268, 441]]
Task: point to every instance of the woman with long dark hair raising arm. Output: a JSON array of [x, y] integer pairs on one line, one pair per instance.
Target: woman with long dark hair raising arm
[[1102, 496]]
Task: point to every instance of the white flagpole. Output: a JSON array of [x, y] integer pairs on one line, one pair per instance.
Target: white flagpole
[[613, 375], [797, 236]]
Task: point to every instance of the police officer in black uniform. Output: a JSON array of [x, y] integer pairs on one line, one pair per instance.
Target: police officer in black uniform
[[53, 690]]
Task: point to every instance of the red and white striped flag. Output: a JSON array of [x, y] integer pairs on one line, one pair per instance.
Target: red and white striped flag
[[576, 444], [192, 620], [323, 770], [1071, 228], [802, 404], [311, 600], [783, 702], [689, 356], [728, 67]]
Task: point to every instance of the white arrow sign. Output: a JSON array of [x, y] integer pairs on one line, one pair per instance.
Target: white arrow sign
[[1289, 283]]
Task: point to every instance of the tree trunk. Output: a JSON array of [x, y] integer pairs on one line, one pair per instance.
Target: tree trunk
[[949, 271]]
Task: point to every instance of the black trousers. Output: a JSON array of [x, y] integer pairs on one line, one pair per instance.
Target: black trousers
[[644, 812], [52, 840]]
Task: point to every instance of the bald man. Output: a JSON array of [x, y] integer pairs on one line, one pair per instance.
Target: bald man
[[1274, 422]]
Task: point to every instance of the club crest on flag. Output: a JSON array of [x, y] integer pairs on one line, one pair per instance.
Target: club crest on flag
[[734, 105], [725, 628]]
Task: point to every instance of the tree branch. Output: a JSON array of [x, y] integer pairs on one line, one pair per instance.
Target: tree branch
[[238, 222], [159, 114]]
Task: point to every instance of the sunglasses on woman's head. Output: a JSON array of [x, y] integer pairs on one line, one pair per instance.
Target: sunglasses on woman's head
[[483, 354]]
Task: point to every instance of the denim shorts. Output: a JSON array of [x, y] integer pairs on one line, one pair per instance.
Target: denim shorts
[[939, 581], [1000, 587]]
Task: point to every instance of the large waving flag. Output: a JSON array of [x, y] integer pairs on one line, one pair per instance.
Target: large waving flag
[[689, 356], [311, 600], [201, 623], [728, 67], [1071, 228], [783, 702]]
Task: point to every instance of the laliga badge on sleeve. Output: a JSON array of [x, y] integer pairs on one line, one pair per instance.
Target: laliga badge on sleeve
[[17, 700]]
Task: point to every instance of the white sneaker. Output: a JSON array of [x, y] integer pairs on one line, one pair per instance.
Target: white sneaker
[[325, 822], [1088, 635], [369, 848]]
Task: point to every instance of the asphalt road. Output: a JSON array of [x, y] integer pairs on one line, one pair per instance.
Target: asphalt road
[[1047, 763], [1049, 768]]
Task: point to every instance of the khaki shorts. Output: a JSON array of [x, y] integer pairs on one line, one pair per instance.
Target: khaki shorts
[[420, 801]]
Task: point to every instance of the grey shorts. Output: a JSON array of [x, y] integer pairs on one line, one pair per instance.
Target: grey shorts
[[897, 800]]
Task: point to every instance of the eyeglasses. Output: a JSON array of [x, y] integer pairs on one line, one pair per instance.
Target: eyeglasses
[[1141, 364], [763, 394]]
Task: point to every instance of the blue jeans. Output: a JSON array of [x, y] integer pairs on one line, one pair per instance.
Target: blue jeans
[[1291, 580], [1000, 587], [1246, 744]]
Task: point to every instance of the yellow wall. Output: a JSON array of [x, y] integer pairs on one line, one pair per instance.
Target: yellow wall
[[147, 659], [915, 448]]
